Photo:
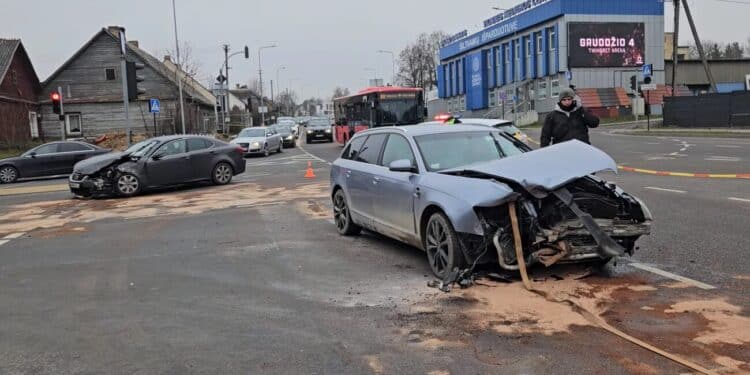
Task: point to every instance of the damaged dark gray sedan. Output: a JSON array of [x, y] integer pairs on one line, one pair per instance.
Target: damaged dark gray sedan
[[157, 162], [448, 190]]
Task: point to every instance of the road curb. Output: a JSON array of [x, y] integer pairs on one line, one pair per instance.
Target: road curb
[[685, 174]]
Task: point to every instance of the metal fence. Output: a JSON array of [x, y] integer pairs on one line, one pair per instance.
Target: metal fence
[[708, 111]]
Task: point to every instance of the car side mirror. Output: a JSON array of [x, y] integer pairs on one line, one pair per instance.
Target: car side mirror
[[31, 154], [402, 165], [157, 157]]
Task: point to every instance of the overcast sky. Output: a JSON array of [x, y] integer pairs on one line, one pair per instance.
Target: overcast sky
[[322, 44]]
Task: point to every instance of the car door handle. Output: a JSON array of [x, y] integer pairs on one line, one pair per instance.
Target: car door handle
[[417, 193], [348, 174], [375, 180]]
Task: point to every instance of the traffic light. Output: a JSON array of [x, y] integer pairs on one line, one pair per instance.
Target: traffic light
[[56, 99], [633, 83], [131, 70]]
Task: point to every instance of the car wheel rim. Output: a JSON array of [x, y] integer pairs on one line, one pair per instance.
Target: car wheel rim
[[340, 212], [437, 246], [222, 174], [7, 174], [127, 184]]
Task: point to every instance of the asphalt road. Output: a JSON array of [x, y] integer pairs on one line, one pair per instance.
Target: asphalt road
[[252, 278]]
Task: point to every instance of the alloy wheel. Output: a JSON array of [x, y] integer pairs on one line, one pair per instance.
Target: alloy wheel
[[340, 212], [127, 184], [223, 174], [437, 246], [8, 175]]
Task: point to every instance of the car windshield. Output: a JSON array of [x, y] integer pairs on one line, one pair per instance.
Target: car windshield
[[250, 133], [450, 150], [317, 123], [142, 148], [283, 129], [399, 112]]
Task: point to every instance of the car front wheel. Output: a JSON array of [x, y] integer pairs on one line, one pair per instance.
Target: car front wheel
[[127, 185], [8, 174], [442, 246]]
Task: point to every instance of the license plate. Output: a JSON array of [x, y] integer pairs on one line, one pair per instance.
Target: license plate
[[75, 185], [318, 135]]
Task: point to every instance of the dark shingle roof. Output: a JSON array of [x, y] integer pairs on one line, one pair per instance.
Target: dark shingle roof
[[7, 51]]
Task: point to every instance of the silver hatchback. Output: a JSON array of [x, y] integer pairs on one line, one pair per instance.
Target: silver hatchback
[[448, 190]]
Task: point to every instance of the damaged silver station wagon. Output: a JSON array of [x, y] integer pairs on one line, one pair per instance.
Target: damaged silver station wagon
[[447, 189]]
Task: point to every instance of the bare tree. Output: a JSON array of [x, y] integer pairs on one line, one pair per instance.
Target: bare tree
[[340, 91], [418, 61], [733, 51], [189, 64]]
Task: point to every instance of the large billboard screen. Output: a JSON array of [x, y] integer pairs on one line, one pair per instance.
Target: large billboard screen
[[606, 45]]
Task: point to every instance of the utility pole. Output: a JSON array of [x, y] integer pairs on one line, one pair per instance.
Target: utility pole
[[675, 42], [260, 78], [179, 69], [273, 102], [698, 44], [226, 92], [123, 77]]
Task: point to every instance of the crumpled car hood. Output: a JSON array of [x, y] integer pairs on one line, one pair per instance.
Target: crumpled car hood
[[96, 163], [547, 169], [475, 192]]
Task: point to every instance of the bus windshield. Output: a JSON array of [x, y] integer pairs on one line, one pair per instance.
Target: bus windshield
[[399, 112]]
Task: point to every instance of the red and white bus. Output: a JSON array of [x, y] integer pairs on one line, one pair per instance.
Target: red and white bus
[[377, 106]]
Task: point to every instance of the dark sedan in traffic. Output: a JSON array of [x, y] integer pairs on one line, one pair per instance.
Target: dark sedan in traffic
[[49, 159], [318, 129], [158, 162]]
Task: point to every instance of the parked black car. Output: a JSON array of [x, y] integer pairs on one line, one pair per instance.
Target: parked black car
[[318, 129], [286, 133], [49, 159], [158, 162]]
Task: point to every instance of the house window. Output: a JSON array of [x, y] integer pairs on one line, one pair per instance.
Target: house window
[[73, 123], [493, 100], [539, 44], [33, 125], [551, 41], [110, 74], [542, 92], [555, 88]]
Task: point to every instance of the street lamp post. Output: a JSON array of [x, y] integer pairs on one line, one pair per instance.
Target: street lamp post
[[179, 67], [260, 78], [227, 56], [393, 66], [277, 80]]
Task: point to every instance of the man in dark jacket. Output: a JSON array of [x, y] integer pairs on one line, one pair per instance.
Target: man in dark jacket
[[568, 121]]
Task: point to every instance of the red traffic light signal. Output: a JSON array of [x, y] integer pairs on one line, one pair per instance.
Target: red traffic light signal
[[56, 100]]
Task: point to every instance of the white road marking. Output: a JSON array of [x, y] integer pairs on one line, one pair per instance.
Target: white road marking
[[661, 158], [722, 158], [313, 156], [653, 143], [3, 242], [667, 190], [739, 199], [13, 236], [728, 146], [672, 276]]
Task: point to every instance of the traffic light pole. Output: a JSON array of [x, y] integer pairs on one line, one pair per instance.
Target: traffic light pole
[[125, 100], [61, 117]]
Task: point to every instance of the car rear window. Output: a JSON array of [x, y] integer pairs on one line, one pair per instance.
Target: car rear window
[[72, 147], [370, 151], [195, 144], [350, 153]]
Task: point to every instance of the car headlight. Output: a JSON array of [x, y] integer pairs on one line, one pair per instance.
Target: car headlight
[[309, 132], [256, 144], [328, 130], [290, 137]]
